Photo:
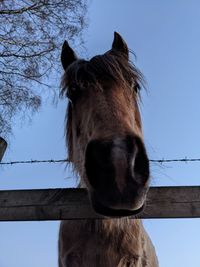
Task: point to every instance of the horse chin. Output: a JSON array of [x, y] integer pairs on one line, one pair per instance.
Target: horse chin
[[99, 208]]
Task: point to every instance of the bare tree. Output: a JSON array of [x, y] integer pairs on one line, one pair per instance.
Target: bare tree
[[31, 31]]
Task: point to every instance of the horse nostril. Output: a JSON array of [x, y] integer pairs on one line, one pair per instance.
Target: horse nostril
[[98, 164], [141, 162], [141, 165], [97, 152], [130, 159]]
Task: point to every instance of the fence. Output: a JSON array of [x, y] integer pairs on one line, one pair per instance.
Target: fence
[[3, 146], [63, 204]]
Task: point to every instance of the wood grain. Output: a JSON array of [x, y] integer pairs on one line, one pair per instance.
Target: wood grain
[[65, 204], [3, 146]]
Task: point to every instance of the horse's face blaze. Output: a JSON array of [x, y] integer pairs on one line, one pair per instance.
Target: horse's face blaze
[[104, 132]]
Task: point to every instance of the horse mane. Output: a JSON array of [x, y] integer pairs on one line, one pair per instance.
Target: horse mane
[[112, 66]]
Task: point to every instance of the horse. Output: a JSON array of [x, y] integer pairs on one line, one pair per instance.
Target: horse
[[106, 148]]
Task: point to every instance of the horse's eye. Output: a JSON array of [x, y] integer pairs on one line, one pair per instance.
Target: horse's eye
[[137, 88], [73, 93]]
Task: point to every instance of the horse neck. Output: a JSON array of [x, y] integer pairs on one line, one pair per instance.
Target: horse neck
[[114, 237], [116, 228]]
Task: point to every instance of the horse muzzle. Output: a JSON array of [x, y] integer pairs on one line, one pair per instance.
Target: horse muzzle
[[117, 170]]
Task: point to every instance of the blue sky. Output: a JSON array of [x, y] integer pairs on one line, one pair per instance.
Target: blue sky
[[165, 35]]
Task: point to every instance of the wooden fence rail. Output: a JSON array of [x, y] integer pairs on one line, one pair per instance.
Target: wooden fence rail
[[3, 146], [63, 204]]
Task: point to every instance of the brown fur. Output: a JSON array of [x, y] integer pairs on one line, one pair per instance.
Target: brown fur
[[106, 105], [105, 243]]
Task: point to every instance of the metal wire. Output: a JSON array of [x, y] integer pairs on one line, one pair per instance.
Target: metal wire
[[34, 161], [161, 161], [185, 160]]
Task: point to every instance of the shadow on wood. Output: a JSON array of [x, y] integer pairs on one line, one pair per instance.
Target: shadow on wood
[[66, 204]]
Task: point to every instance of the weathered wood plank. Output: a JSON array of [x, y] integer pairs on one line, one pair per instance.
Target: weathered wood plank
[[3, 146], [61, 204]]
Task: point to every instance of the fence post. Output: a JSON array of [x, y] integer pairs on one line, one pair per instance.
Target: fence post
[[3, 146]]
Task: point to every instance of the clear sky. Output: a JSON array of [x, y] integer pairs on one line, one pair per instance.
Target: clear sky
[[165, 35]]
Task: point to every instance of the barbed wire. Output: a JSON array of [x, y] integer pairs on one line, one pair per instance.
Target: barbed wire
[[161, 161], [34, 161], [185, 160]]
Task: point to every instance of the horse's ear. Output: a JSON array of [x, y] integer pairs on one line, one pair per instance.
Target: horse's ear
[[67, 55], [119, 44]]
